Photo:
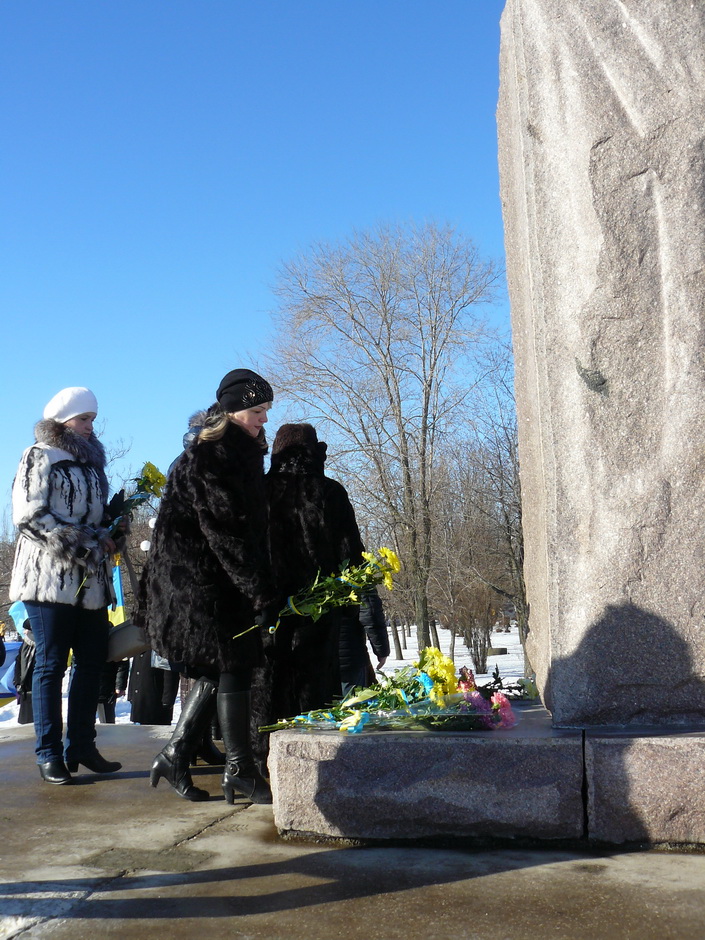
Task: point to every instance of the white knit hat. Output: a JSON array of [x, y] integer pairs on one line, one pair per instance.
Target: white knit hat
[[70, 402]]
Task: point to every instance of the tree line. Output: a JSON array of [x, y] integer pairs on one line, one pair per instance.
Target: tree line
[[381, 342]]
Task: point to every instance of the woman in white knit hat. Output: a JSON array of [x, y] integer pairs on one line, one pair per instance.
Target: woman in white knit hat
[[62, 574]]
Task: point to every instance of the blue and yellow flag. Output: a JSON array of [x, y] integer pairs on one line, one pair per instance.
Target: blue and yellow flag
[[116, 613], [19, 614]]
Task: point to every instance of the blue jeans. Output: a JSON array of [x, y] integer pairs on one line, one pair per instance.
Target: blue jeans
[[57, 629]]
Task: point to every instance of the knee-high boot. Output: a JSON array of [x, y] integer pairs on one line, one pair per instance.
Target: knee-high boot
[[172, 763], [241, 775], [208, 752], [206, 749]]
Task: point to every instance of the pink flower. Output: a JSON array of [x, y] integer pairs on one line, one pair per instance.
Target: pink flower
[[503, 707]]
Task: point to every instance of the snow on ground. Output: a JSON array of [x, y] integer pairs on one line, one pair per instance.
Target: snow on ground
[[511, 666]]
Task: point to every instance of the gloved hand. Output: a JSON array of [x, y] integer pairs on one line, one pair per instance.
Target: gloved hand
[[268, 614]]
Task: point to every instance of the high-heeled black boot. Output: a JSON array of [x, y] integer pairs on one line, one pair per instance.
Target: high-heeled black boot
[[55, 771], [172, 763], [241, 776], [95, 762], [208, 752], [206, 749]]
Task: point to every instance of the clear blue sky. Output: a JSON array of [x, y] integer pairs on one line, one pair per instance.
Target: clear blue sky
[[160, 158]]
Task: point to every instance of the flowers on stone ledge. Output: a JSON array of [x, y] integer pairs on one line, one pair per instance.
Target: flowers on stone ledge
[[422, 697]]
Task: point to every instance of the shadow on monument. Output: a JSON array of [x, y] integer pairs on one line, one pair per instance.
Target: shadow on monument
[[631, 668], [632, 677]]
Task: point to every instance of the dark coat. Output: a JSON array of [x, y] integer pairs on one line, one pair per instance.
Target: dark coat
[[151, 692], [207, 573], [113, 679], [24, 670], [312, 522], [312, 527], [355, 666]]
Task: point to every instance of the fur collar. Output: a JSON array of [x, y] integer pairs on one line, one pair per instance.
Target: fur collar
[[300, 459], [85, 450], [195, 425]]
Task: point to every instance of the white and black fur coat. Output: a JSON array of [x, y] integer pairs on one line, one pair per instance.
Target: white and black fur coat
[[58, 506]]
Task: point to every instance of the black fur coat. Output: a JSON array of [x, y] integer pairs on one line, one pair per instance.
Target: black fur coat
[[207, 573], [312, 522], [312, 526]]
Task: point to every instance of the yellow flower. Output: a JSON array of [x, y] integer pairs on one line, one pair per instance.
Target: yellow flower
[[391, 558], [439, 668], [153, 480]]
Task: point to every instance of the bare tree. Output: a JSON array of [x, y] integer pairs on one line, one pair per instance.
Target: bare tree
[[376, 341], [479, 549], [7, 557], [465, 541], [494, 456]]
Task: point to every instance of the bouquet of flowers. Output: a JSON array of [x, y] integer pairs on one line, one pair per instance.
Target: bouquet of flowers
[[150, 483], [420, 697], [340, 589]]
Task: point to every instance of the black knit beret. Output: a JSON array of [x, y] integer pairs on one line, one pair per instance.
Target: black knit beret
[[241, 389]]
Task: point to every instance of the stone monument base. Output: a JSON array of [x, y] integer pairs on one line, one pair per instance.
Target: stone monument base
[[531, 782]]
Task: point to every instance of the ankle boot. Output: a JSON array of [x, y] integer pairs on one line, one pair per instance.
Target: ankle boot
[[172, 763], [241, 776], [95, 762]]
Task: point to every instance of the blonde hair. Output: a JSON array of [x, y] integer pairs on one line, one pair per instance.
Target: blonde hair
[[217, 423], [214, 427]]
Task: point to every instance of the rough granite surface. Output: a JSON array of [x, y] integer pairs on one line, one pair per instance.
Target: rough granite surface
[[410, 785], [646, 788], [601, 123]]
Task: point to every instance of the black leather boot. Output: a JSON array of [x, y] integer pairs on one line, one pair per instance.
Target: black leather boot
[[172, 763], [241, 775], [206, 749], [55, 771], [95, 762], [208, 752]]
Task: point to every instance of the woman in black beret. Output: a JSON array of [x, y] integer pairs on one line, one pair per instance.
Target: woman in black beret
[[207, 580]]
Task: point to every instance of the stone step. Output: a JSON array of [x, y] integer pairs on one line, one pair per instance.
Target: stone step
[[644, 785]]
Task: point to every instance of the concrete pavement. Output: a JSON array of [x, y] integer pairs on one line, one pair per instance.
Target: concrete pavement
[[111, 857]]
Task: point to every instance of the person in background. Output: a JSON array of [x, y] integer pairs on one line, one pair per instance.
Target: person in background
[[62, 574], [113, 682], [207, 582], [24, 672], [151, 692], [355, 630], [312, 528]]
